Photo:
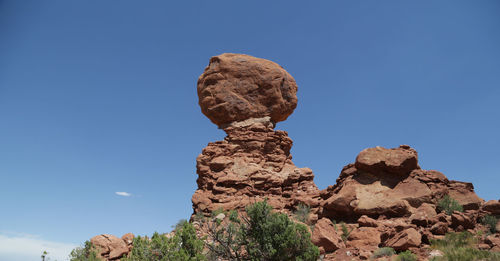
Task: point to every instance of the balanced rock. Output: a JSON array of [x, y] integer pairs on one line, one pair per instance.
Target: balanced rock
[[246, 96], [238, 87]]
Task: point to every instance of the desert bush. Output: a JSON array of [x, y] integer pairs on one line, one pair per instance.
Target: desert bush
[[302, 213], [384, 251], [345, 231], [85, 253], [490, 222], [217, 212], [406, 256], [183, 246], [261, 234], [461, 247], [448, 205]]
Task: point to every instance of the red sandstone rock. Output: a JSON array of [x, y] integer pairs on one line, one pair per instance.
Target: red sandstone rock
[[364, 238], [237, 87], [461, 219], [492, 206], [365, 221], [251, 164], [424, 215], [463, 192], [324, 235], [405, 239], [439, 228], [399, 161], [110, 247], [389, 182]]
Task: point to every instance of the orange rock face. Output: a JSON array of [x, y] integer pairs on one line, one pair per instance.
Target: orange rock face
[[237, 87], [111, 247]]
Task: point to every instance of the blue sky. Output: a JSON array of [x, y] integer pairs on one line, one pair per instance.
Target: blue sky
[[98, 97]]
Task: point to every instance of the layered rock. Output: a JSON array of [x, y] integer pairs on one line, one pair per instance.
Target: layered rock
[[251, 164]]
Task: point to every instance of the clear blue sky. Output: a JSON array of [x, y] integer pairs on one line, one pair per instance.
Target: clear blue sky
[[98, 97]]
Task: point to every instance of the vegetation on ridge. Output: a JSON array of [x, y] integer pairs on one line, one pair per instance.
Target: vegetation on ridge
[[461, 247], [449, 205]]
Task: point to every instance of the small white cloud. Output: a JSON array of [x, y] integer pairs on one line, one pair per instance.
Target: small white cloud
[[28, 247], [123, 194]]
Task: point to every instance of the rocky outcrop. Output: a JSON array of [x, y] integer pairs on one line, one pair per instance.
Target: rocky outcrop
[[111, 247], [492, 207], [389, 182], [237, 87], [251, 164], [385, 198]]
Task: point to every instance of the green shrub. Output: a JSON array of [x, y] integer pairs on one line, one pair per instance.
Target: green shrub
[[183, 246], [217, 212], [345, 232], [384, 251], [261, 234], [448, 205], [302, 213], [461, 247], [406, 256], [85, 253], [199, 216], [490, 222]]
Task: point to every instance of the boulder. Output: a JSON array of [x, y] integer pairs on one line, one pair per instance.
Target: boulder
[[238, 87], [365, 221], [492, 207], [398, 161], [463, 192], [439, 228], [325, 235], [405, 239], [110, 247], [460, 219], [364, 238], [424, 215]]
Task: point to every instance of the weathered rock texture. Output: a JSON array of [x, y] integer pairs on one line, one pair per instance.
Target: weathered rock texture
[[237, 87], [111, 247], [389, 182], [252, 163]]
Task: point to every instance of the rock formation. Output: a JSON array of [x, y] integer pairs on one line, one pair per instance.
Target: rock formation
[[111, 247], [246, 96], [383, 199], [238, 87]]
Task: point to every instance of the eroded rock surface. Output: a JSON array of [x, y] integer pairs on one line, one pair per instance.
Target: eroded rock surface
[[389, 182], [252, 163], [237, 87], [111, 247]]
